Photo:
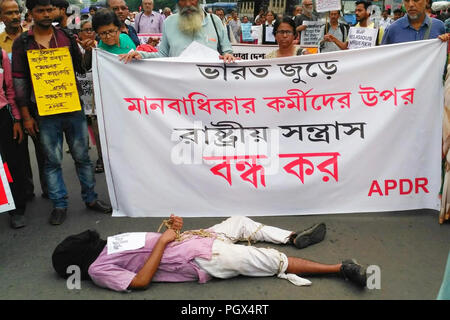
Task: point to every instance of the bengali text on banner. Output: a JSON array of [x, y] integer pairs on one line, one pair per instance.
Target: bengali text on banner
[[327, 133]]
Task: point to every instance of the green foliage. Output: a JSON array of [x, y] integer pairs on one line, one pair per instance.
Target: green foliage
[[133, 5], [161, 4]]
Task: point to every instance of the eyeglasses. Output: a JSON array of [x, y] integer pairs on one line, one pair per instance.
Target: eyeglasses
[[123, 8], [87, 30], [107, 33], [285, 32]]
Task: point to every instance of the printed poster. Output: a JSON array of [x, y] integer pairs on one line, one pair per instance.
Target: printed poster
[[53, 80]]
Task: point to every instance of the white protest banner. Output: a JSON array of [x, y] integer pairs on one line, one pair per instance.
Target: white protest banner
[[259, 51], [87, 92], [6, 198], [361, 37], [328, 5], [310, 36], [308, 134]]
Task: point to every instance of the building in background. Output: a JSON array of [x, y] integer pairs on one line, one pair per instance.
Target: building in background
[[251, 8]]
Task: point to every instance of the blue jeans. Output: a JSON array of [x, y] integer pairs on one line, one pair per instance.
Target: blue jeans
[[74, 126]]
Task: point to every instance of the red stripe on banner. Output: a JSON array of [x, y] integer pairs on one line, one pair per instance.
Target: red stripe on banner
[[3, 197], [8, 174]]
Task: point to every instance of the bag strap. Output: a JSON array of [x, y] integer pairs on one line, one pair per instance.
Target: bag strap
[[427, 32], [219, 47], [140, 16], [341, 26]]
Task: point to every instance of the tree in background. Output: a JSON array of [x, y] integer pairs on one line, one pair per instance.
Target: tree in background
[[134, 5]]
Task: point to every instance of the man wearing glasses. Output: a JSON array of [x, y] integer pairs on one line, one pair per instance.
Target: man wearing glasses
[[148, 21], [106, 24], [121, 10], [307, 15], [51, 128]]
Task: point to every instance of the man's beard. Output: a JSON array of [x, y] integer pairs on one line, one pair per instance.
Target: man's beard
[[413, 16], [44, 24], [307, 11], [362, 18], [190, 22]]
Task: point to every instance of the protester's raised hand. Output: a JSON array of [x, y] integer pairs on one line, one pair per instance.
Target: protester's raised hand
[[176, 222], [127, 57], [168, 236], [329, 37], [444, 37], [302, 27], [87, 44]]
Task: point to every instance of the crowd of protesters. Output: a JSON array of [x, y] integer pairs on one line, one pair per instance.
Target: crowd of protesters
[[48, 24]]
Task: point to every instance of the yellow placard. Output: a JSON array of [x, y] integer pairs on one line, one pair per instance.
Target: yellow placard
[[54, 82], [312, 50]]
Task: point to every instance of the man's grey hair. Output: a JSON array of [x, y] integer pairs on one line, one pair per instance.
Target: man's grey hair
[[2, 1]]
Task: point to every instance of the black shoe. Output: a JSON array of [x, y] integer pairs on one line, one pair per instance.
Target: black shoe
[[17, 221], [353, 271], [100, 206], [312, 235], [58, 216], [44, 195]]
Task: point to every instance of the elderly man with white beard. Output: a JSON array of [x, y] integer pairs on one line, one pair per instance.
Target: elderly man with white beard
[[190, 24]]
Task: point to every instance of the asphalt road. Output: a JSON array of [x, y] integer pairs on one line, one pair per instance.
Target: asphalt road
[[410, 249]]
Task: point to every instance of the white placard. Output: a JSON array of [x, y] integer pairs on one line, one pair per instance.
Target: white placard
[[310, 36], [269, 37], [87, 92], [362, 37], [328, 5], [125, 241]]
